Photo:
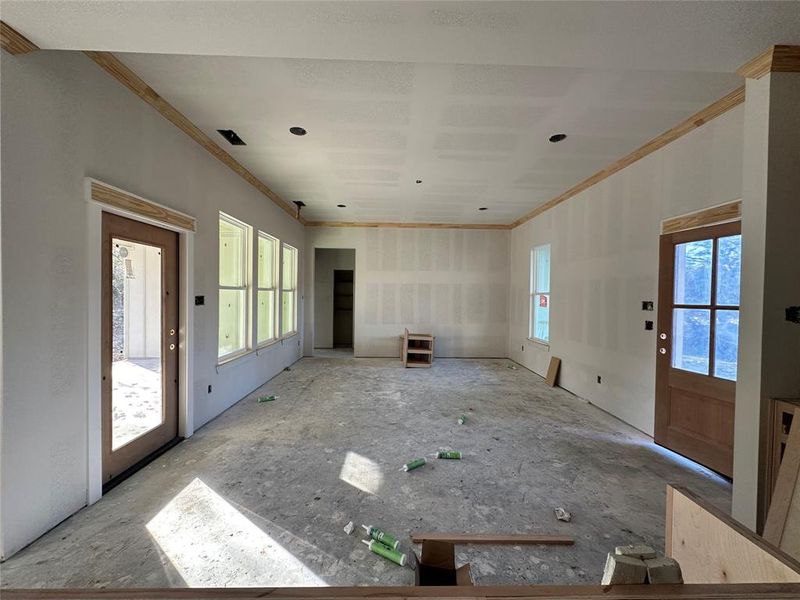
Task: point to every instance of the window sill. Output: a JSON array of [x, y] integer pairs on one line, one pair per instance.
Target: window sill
[[289, 335], [231, 358], [266, 345], [542, 344]]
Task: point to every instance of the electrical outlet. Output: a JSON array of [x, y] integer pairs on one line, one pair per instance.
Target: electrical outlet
[[647, 305], [648, 325], [599, 379]]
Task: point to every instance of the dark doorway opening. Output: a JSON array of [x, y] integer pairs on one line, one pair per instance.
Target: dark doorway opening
[[343, 308]]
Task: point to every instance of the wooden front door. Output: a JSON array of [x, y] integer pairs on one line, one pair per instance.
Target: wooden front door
[[139, 342], [698, 332]]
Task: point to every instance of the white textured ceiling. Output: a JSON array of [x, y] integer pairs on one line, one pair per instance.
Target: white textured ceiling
[[461, 95]]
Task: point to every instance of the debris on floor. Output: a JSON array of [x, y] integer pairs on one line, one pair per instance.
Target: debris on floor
[[379, 535], [462, 419], [562, 514], [349, 528], [449, 454], [640, 551], [511, 366], [287, 368], [415, 464], [638, 563], [267, 398], [663, 570], [386, 552], [623, 569]]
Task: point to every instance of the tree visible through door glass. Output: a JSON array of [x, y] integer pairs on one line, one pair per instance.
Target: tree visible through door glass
[[691, 336], [693, 272], [729, 269]]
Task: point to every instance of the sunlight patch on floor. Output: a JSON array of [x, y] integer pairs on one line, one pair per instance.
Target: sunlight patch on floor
[[361, 473], [211, 544]]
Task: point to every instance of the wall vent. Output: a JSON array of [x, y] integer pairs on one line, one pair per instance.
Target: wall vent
[[232, 137]]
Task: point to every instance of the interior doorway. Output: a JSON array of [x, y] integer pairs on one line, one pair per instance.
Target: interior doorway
[[334, 301], [139, 343], [698, 333]]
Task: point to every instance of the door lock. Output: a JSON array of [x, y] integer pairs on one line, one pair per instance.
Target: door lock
[[172, 332], [172, 346], [662, 350], [663, 336]]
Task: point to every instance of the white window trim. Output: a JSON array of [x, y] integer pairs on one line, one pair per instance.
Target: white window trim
[[275, 289], [534, 291], [294, 331], [247, 288]]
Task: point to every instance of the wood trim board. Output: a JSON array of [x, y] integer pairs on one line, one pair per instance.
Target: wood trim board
[[779, 58], [111, 196], [782, 527], [713, 548], [407, 225], [493, 538], [716, 215], [119, 71], [13, 42], [552, 371], [774, 591]]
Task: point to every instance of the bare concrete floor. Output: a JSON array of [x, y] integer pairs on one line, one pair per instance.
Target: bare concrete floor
[[260, 495]]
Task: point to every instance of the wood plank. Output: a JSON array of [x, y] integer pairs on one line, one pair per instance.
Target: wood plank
[[731, 211], [782, 527], [13, 41], [407, 225], [552, 371], [494, 538], [712, 111], [111, 196], [778, 58], [117, 69], [713, 548], [777, 591]]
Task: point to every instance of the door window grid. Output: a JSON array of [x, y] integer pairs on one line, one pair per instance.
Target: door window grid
[[705, 329]]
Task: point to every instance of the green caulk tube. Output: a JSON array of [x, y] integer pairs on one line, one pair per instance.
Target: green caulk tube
[[379, 535], [415, 464], [462, 419], [386, 552], [451, 454]]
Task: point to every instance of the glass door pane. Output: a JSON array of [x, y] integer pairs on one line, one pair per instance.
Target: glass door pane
[[729, 268], [137, 404], [726, 344], [691, 336], [693, 272]]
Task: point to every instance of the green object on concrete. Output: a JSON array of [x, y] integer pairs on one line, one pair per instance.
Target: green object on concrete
[[267, 398], [415, 464], [449, 454], [462, 419], [393, 555], [379, 535]]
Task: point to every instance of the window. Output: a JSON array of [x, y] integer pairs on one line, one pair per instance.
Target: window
[[289, 291], [266, 304], [540, 294], [234, 239]]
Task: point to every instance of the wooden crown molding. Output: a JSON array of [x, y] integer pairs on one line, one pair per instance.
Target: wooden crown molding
[[698, 119], [111, 196], [724, 213], [407, 225], [780, 58], [117, 69], [13, 41]]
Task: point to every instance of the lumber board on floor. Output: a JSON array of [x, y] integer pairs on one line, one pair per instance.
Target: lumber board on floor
[[780, 591], [493, 538], [782, 528], [713, 548]]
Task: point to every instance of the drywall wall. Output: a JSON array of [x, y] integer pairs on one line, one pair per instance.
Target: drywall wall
[[64, 119], [604, 262], [769, 345], [325, 263], [451, 282]]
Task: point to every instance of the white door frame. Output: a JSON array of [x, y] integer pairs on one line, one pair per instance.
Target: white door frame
[[94, 215]]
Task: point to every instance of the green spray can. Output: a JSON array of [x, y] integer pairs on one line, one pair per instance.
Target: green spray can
[[393, 555], [415, 464], [462, 419], [451, 454], [379, 535]]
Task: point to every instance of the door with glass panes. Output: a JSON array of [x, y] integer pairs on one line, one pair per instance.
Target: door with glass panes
[[698, 334]]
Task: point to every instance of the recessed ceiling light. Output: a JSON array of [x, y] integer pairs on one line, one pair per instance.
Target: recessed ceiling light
[[342, 205], [557, 137], [419, 180], [297, 131], [483, 208]]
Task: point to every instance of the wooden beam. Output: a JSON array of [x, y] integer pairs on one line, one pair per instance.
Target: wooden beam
[[713, 548], [111, 196], [780, 58], [493, 538], [13, 41], [712, 111], [117, 69], [407, 225], [724, 213], [773, 591]]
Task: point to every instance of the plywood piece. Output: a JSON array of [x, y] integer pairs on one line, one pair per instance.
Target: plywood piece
[[713, 548], [552, 371], [731, 211], [782, 527], [493, 538], [111, 196], [14, 42]]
